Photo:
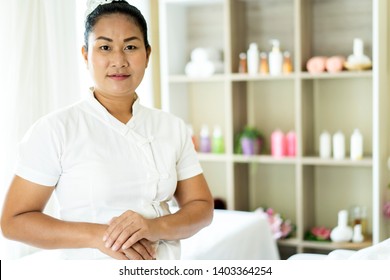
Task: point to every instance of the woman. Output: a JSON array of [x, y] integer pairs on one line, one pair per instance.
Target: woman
[[113, 164]]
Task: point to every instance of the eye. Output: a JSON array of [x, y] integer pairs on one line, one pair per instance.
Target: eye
[[130, 47], [104, 48]]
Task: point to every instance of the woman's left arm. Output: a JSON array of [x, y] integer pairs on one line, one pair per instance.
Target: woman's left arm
[[196, 211]]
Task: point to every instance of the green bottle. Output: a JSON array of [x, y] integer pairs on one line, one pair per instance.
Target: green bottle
[[217, 144]]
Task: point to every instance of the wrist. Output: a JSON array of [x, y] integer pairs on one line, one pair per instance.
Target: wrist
[[95, 236]]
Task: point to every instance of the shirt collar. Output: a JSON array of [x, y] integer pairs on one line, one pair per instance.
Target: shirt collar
[[107, 117]]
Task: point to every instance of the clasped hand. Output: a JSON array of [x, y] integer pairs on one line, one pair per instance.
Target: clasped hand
[[133, 235]]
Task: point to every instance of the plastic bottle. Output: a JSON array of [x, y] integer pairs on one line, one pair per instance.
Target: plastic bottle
[[253, 59], [287, 64], [275, 58], [217, 145], [278, 144], [291, 140], [205, 141], [356, 145], [325, 145], [263, 69], [338, 145], [242, 66]]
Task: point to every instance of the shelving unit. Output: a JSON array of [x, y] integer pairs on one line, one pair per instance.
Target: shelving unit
[[307, 189]]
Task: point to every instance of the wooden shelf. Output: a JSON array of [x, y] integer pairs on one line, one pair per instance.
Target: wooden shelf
[[323, 245], [307, 189], [367, 162]]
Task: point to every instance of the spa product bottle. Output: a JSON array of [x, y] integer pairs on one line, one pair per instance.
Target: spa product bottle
[[357, 236], [291, 144], [217, 146], [356, 145], [205, 141], [287, 64], [343, 232], [278, 143], [275, 58], [242, 66], [325, 145], [338, 145], [264, 69], [253, 59]]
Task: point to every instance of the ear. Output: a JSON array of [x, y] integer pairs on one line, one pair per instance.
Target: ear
[[148, 52], [84, 53]]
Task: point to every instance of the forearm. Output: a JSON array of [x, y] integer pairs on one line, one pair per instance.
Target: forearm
[[43, 231], [187, 221]]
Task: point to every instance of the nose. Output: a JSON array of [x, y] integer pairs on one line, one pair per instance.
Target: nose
[[119, 59]]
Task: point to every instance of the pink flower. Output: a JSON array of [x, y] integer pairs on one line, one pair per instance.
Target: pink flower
[[322, 233], [386, 209], [280, 228]]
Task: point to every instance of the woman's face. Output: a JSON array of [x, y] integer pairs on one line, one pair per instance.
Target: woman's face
[[116, 57]]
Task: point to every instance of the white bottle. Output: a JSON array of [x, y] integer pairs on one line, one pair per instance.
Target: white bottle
[[357, 236], [343, 232], [325, 145], [356, 145], [338, 145], [253, 59], [275, 58]]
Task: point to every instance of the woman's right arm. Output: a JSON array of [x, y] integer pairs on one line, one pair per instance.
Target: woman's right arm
[[23, 220]]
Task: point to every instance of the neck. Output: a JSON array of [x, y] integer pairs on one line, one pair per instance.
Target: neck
[[120, 107]]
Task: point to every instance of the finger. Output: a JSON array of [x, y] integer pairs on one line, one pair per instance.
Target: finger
[[129, 236], [151, 247], [141, 250], [132, 239], [116, 226], [112, 224], [132, 254], [120, 256], [118, 231]]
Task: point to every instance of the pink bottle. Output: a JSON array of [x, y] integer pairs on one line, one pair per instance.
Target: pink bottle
[[291, 143], [278, 144]]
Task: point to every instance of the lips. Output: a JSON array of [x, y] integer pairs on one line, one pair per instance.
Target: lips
[[118, 77]]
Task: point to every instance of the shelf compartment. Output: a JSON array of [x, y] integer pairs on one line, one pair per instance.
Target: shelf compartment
[[271, 106], [195, 24], [273, 186], [193, 102], [254, 21], [329, 189], [333, 105], [330, 27]]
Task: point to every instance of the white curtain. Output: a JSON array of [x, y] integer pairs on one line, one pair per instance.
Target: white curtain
[[38, 73], [41, 69]]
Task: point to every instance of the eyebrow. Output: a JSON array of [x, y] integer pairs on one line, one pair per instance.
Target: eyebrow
[[125, 40]]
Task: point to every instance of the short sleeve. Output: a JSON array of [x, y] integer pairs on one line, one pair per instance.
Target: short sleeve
[[188, 163], [39, 154]]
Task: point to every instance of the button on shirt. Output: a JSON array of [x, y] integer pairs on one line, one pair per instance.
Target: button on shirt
[[101, 167]]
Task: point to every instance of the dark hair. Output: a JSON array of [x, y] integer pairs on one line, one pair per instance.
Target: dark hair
[[116, 7]]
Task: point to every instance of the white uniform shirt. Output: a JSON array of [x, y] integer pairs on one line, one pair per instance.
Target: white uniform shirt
[[101, 167]]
